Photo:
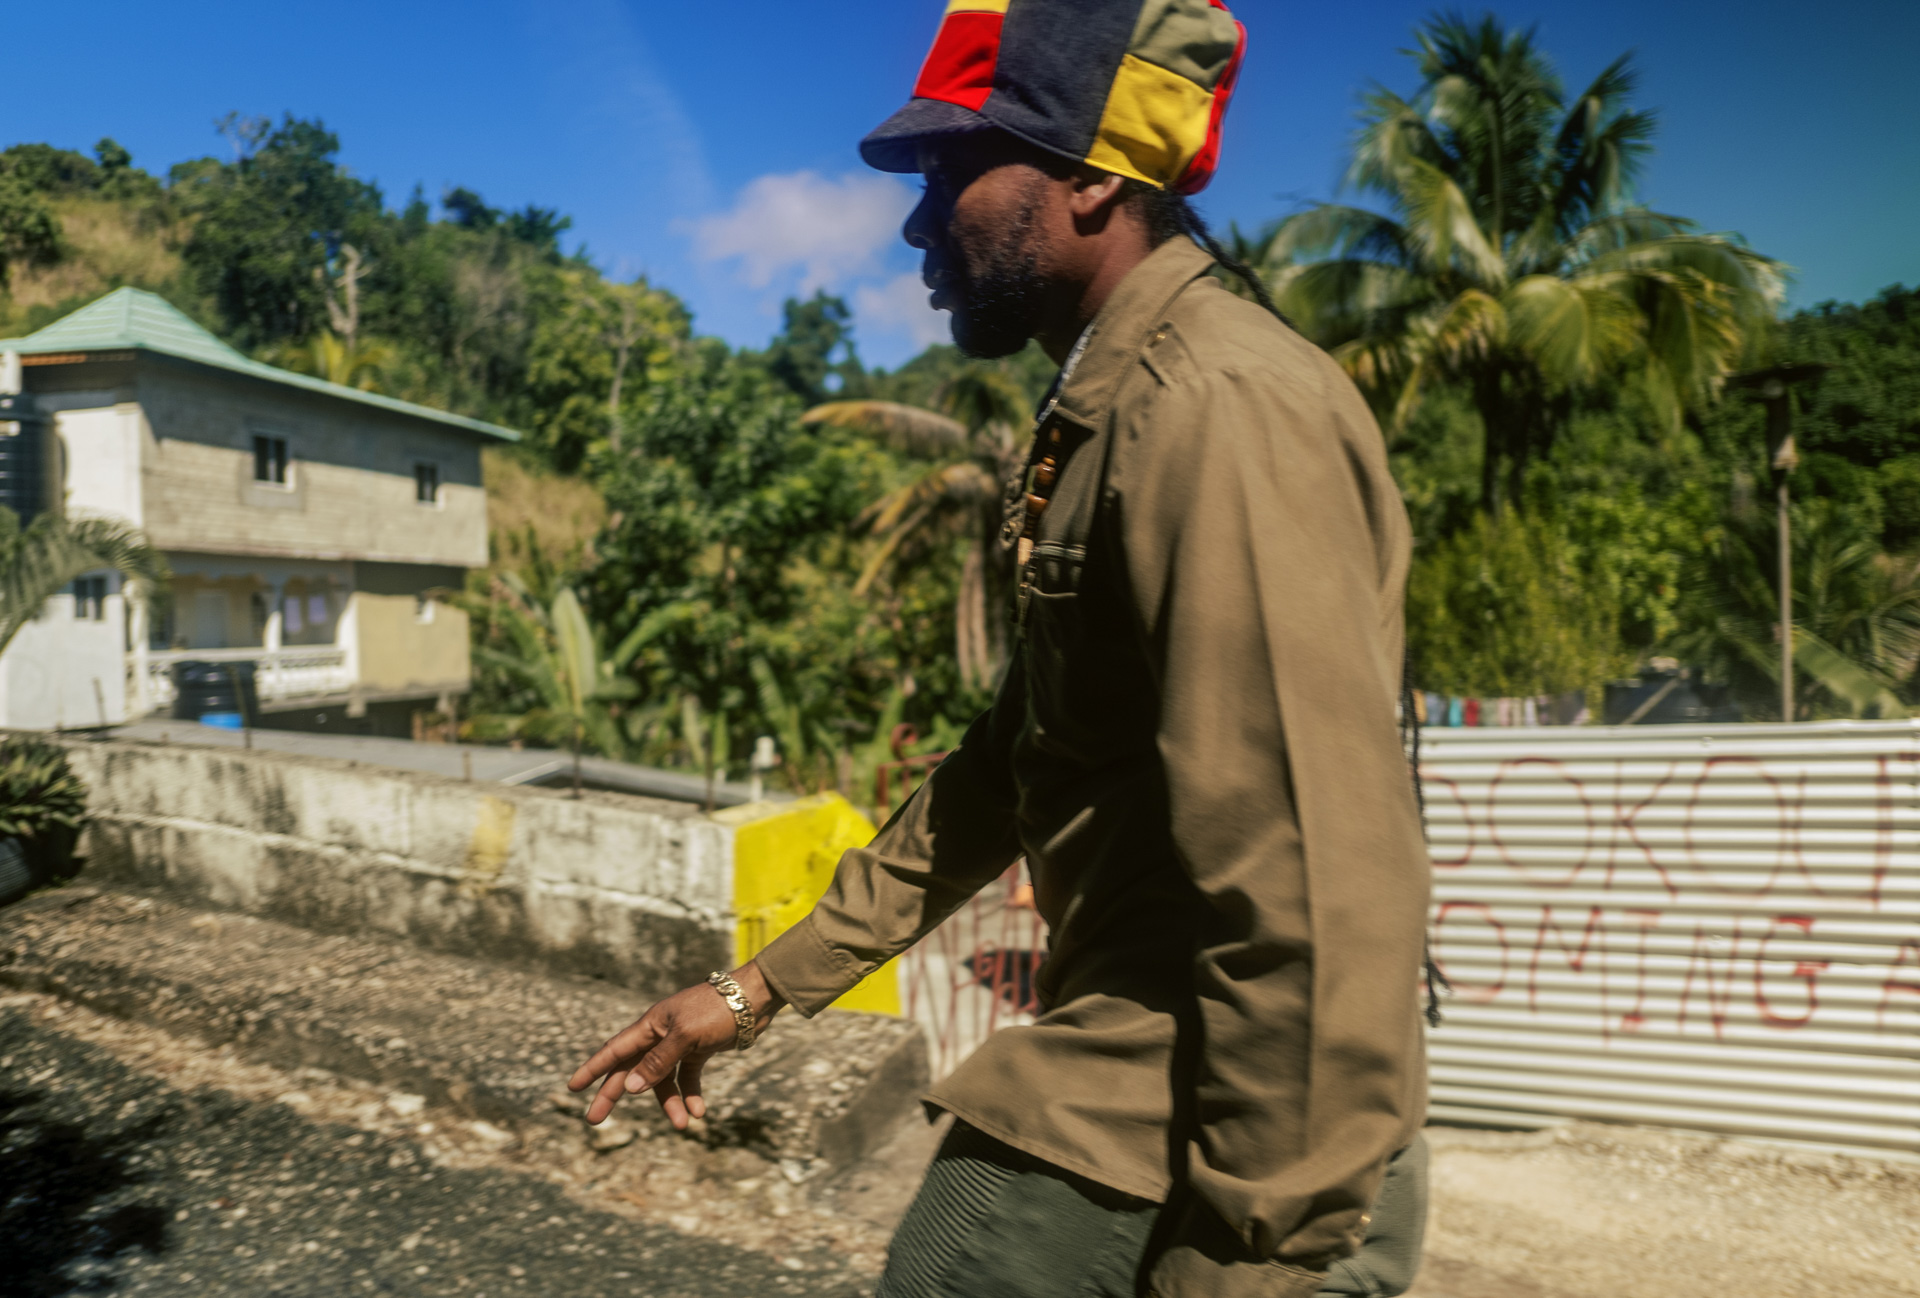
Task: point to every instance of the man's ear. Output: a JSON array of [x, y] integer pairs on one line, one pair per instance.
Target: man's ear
[[1092, 194]]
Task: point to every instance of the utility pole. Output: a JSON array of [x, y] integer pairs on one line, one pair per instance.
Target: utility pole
[[1774, 387]]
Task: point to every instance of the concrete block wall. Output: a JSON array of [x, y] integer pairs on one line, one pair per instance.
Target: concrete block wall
[[631, 890]]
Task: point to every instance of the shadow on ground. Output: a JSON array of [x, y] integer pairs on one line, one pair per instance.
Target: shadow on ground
[[70, 1200]]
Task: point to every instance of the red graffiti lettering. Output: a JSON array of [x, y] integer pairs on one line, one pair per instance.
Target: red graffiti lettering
[[1627, 818], [1633, 1020], [1883, 822], [1807, 969], [1433, 782], [1576, 960], [1493, 820], [1717, 993], [1693, 810], [1487, 992], [1909, 956]]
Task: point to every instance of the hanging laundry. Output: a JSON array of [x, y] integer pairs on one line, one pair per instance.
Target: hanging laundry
[[1455, 713], [1470, 714]]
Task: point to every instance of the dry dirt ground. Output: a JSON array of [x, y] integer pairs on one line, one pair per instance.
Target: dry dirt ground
[[1592, 1211], [1581, 1211]]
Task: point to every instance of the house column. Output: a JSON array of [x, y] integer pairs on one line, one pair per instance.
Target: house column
[[134, 596]]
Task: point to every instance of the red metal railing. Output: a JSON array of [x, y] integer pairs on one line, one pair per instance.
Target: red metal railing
[[909, 771]]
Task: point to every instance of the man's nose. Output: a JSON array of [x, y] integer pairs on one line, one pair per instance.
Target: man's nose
[[921, 227]]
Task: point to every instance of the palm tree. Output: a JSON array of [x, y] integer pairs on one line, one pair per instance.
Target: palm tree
[[1510, 258], [39, 559], [969, 443], [1856, 627]]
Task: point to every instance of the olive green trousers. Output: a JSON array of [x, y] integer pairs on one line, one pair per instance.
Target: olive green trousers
[[993, 1222]]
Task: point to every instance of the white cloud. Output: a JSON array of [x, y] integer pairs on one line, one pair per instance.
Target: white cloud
[[827, 230], [901, 303]]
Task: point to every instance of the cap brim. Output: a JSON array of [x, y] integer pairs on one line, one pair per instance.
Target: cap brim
[[894, 145]]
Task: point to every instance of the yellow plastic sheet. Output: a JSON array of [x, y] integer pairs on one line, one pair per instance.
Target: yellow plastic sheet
[[783, 859]]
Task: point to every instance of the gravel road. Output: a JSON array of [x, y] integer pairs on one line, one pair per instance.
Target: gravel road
[[136, 1161], [114, 1181]]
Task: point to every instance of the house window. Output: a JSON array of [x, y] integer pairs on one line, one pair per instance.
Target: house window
[[426, 484], [90, 599], [270, 460]]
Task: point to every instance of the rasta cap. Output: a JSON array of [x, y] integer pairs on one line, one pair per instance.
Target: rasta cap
[[1134, 87]]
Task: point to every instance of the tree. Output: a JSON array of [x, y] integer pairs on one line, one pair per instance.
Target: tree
[[38, 560], [29, 231], [1856, 625], [1511, 259], [266, 225], [803, 354], [971, 445], [339, 278], [1504, 608]]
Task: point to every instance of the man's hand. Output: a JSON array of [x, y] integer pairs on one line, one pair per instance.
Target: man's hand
[[667, 1046]]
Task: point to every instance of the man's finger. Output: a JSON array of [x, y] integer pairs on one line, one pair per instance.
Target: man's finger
[[621, 1049], [610, 1092], [668, 1094], [657, 1064], [689, 1083]]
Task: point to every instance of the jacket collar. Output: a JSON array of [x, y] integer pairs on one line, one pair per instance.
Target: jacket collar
[[1117, 334]]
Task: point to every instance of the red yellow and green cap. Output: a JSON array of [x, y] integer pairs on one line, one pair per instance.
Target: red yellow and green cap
[[1134, 87]]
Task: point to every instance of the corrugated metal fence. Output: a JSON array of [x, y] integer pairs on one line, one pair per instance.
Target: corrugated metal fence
[[1714, 927]]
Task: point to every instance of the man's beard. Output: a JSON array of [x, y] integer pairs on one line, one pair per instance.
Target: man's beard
[[1001, 296]]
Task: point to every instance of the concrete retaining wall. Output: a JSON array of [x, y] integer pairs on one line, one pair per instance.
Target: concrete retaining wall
[[631, 890]]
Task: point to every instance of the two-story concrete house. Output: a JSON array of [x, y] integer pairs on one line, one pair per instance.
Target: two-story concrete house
[[307, 524]]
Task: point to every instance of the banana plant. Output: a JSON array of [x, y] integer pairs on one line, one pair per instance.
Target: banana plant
[[559, 655]]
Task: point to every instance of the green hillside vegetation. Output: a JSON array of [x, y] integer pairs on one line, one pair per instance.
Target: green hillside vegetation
[[682, 562]]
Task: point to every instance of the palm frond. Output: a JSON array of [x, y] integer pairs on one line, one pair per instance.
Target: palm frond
[[1332, 230], [979, 398], [1859, 686], [1574, 331], [1442, 225], [38, 560], [909, 429]]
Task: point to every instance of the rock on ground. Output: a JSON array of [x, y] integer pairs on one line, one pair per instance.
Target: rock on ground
[[119, 1182], [489, 1041], [332, 1116]]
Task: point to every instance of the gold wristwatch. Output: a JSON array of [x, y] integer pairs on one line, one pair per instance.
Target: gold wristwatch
[[736, 999]]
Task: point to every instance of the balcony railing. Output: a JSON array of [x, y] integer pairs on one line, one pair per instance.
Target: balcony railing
[[280, 675]]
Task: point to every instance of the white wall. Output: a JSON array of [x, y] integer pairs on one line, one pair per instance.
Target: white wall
[[47, 674], [103, 461], [627, 889]]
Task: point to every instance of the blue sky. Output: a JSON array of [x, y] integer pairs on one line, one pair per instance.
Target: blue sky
[[711, 145]]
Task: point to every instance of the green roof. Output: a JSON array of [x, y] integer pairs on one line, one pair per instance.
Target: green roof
[[133, 318]]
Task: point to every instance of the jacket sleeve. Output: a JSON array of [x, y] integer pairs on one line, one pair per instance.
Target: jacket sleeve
[[951, 838], [1266, 549]]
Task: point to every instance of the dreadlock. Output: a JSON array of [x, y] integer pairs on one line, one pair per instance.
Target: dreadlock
[[1168, 215]]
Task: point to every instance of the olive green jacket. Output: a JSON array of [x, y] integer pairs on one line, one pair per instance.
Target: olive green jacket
[[1196, 749]]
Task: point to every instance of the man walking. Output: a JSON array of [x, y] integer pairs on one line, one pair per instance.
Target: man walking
[[1194, 745]]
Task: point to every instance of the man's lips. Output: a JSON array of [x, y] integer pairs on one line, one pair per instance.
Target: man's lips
[[942, 287]]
